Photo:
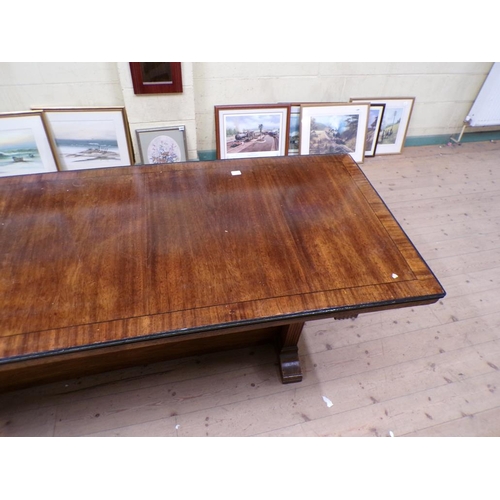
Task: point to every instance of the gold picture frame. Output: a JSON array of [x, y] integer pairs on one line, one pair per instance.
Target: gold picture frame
[[395, 122], [93, 137], [334, 128], [25, 147]]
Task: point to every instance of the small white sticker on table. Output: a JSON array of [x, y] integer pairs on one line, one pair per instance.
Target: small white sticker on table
[[235, 172]]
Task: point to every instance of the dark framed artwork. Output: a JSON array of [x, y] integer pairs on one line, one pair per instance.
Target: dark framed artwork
[[394, 127], [375, 118], [294, 134], [252, 131], [156, 77]]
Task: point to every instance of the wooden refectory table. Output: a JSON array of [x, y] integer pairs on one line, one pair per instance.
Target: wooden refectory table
[[103, 269]]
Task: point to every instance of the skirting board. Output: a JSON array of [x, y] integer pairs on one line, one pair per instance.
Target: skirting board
[[425, 140], [430, 140]]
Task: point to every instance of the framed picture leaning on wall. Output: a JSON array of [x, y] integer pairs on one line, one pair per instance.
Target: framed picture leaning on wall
[[25, 147], [252, 131], [162, 145], [394, 127], [334, 128], [85, 138], [294, 130], [375, 117]]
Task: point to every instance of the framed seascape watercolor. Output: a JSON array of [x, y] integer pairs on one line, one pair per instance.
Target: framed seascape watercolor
[[395, 122], [162, 145], [252, 131], [334, 128], [24, 144], [85, 138]]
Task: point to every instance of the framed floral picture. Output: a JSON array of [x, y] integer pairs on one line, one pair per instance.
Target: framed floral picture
[[334, 128], [395, 121], [85, 138], [162, 145], [24, 144], [252, 131]]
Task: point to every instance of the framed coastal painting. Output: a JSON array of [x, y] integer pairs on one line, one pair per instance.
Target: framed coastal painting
[[252, 131], [394, 127], [162, 145], [334, 128], [85, 138], [24, 144]]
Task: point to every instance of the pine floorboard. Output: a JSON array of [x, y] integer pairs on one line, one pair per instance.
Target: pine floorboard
[[423, 371]]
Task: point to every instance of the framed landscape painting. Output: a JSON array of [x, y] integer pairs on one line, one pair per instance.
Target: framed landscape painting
[[85, 138], [24, 145], [252, 131], [397, 113], [334, 128], [294, 128], [375, 117], [162, 145], [294, 131]]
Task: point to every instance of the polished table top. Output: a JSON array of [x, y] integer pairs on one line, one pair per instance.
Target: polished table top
[[114, 255]]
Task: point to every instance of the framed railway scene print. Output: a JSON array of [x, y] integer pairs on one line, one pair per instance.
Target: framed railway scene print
[[24, 144], [397, 113], [162, 145], [334, 128], [252, 131], [85, 138]]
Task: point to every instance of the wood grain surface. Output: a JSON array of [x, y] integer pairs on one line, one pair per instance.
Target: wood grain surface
[[110, 256], [414, 371]]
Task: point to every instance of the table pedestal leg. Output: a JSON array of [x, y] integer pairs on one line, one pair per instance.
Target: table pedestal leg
[[288, 352]]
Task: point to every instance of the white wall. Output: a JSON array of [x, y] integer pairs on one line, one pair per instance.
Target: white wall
[[444, 92], [26, 85], [160, 110], [38, 84]]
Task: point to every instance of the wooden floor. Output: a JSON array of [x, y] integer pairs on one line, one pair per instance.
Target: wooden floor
[[428, 371]]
